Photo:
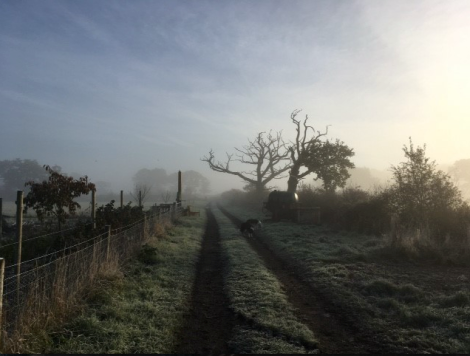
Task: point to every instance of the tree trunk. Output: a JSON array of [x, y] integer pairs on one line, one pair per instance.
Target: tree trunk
[[260, 188], [293, 180]]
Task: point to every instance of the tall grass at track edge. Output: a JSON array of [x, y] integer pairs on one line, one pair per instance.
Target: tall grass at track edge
[[141, 309]]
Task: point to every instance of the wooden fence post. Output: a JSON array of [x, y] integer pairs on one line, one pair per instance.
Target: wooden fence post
[[122, 198], [93, 212], [145, 228], [173, 212], [2, 278], [19, 237], [140, 198], [178, 195], [178, 208], [108, 246]]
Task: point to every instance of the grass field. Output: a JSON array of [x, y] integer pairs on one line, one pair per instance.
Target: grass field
[[416, 307]]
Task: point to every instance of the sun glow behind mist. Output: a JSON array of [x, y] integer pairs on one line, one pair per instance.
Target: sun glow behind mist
[[431, 41], [446, 79]]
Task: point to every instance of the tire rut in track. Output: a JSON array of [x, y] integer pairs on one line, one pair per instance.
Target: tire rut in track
[[335, 335], [210, 321]]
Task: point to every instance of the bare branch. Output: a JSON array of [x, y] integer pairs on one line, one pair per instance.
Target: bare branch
[[140, 189], [223, 168], [265, 152]]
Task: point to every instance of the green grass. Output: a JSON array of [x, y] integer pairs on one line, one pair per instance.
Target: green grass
[[142, 310], [461, 299], [384, 288], [356, 272], [268, 323]]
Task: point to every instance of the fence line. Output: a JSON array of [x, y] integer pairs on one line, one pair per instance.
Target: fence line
[[41, 236], [50, 282]]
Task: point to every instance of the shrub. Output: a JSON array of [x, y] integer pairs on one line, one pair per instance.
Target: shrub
[[118, 217], [424, 197], [350, 209], [249, 198], [55, 197]]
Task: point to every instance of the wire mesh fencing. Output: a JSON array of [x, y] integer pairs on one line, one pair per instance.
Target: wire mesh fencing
[[43, 288]]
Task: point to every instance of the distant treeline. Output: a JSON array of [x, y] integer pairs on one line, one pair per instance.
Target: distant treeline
[[157, 184]]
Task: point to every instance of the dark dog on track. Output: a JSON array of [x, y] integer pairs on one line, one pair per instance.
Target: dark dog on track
[[248, 227]]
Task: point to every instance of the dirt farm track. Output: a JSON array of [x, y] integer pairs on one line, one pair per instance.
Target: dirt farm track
[[335, 333], [204, 288], [336, 326], [210, 321]]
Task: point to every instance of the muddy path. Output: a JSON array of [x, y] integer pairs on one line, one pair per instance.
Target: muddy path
[[335, 331], [210, 321]]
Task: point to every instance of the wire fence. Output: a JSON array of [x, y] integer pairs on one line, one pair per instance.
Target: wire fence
[[37, 290]]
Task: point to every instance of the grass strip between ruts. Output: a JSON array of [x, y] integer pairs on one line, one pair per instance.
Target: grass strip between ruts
[[267, 321]]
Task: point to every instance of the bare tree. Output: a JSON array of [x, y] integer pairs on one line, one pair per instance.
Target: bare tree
[[271, 157], [264, 154], [329, 161], [166, 196], [141, 191]]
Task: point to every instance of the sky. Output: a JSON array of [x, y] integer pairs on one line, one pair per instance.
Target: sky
[[105, 88]]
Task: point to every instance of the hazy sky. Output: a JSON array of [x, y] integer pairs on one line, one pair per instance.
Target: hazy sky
[[105, 88]]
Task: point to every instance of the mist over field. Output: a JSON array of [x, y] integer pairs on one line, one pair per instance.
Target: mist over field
[[105, 89]]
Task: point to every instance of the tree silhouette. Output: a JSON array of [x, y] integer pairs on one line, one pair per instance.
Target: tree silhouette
[[54, 196], [14, 173], [420, 191], [329, 161], [265, 153], [271, 157]]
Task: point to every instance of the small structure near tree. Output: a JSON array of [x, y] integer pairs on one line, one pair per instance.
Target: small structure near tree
[[285, 205]]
